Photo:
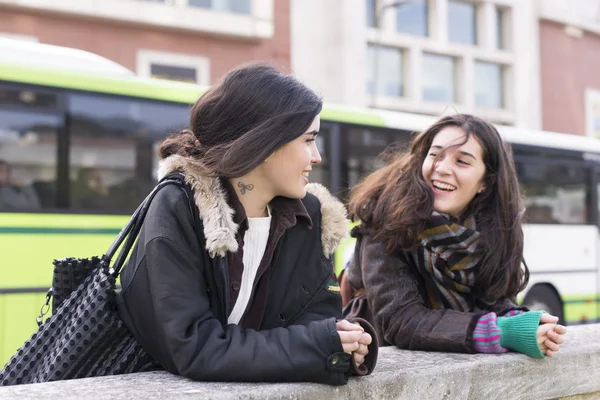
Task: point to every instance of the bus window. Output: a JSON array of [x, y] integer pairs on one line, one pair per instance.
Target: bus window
[[554, 194], [113, 148], [363, 149], [28, 155], [27, 98]]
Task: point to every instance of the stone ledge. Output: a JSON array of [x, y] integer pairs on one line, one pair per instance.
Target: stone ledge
[[575, 370]]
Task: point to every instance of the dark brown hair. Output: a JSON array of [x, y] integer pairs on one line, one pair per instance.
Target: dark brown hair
[[394, 203], [238, 123]]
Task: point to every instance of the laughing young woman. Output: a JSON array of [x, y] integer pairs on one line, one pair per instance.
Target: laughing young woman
[[239, 287], [439, 252]]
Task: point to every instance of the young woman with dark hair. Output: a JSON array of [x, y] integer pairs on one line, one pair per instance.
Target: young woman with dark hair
[[439, 252], [240, 287]]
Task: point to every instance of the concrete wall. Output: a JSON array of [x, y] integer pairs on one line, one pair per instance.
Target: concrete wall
[[574, 371], [329, 49]]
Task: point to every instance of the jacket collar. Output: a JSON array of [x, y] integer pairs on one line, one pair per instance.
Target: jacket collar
[[219, 218]]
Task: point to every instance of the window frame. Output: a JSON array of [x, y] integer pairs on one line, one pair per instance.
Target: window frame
[[68, 208], [63, 148], [455, 78], [62, 152], [428, 22], [503, 84], [415, 48], [393, 137], [476, 23], [378, 51], [502, 40], [146, 57], [524, 154]]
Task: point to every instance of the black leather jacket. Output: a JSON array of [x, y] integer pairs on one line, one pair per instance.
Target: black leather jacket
[[175, 290]]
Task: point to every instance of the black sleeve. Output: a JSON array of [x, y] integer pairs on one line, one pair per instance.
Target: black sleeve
[[328, 302], [186, 337], [399, 309]]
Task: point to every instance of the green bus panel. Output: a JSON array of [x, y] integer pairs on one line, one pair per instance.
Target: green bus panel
[[28, 244], [581, 308], [17, 321]]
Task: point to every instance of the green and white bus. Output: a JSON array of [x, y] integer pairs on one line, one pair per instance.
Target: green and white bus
[[78, 139]]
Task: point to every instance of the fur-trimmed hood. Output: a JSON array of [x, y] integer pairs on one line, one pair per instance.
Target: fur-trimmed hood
[[217, 215]]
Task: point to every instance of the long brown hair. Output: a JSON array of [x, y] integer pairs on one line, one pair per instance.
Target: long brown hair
[[394, 204], [239, 122]]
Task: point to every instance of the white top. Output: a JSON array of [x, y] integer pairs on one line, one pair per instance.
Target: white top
[[255, 243]]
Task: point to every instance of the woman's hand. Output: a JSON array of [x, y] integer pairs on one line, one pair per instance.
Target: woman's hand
[[354, 340], [550, 335], [363, 348]]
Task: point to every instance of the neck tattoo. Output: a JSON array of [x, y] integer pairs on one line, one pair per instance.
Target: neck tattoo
[[244, 188]]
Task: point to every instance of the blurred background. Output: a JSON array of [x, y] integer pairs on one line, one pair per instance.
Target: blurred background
[[88, 88], [527, 63]]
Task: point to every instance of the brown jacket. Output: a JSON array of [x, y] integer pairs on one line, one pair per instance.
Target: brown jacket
[[397, 299]]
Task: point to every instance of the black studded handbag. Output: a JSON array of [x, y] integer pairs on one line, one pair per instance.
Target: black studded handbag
[[85, 337]]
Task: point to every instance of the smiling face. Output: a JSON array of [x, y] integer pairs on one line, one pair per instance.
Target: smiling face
[[457, 176], [287, 169]]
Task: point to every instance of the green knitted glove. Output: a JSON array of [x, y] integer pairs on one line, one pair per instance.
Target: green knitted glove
[[519, 333]]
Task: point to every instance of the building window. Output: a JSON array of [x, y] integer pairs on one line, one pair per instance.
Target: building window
[[439, 78], [411, 18], [112, 143], [501, 15], [371, 13], [234, 6], [173, 66], [387, 62], [462, 22], [489, 84], [30, 123], [173, 73]]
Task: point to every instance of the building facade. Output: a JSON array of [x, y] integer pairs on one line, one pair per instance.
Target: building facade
[[189, 40], [570, 60], [423, 56], [527, 63]]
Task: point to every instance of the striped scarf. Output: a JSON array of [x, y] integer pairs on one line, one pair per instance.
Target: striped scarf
[[446, 256]]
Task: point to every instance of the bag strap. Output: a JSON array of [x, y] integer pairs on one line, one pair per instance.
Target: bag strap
[[130, 232]]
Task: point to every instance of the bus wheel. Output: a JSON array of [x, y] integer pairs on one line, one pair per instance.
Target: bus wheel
[[545, 297]]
